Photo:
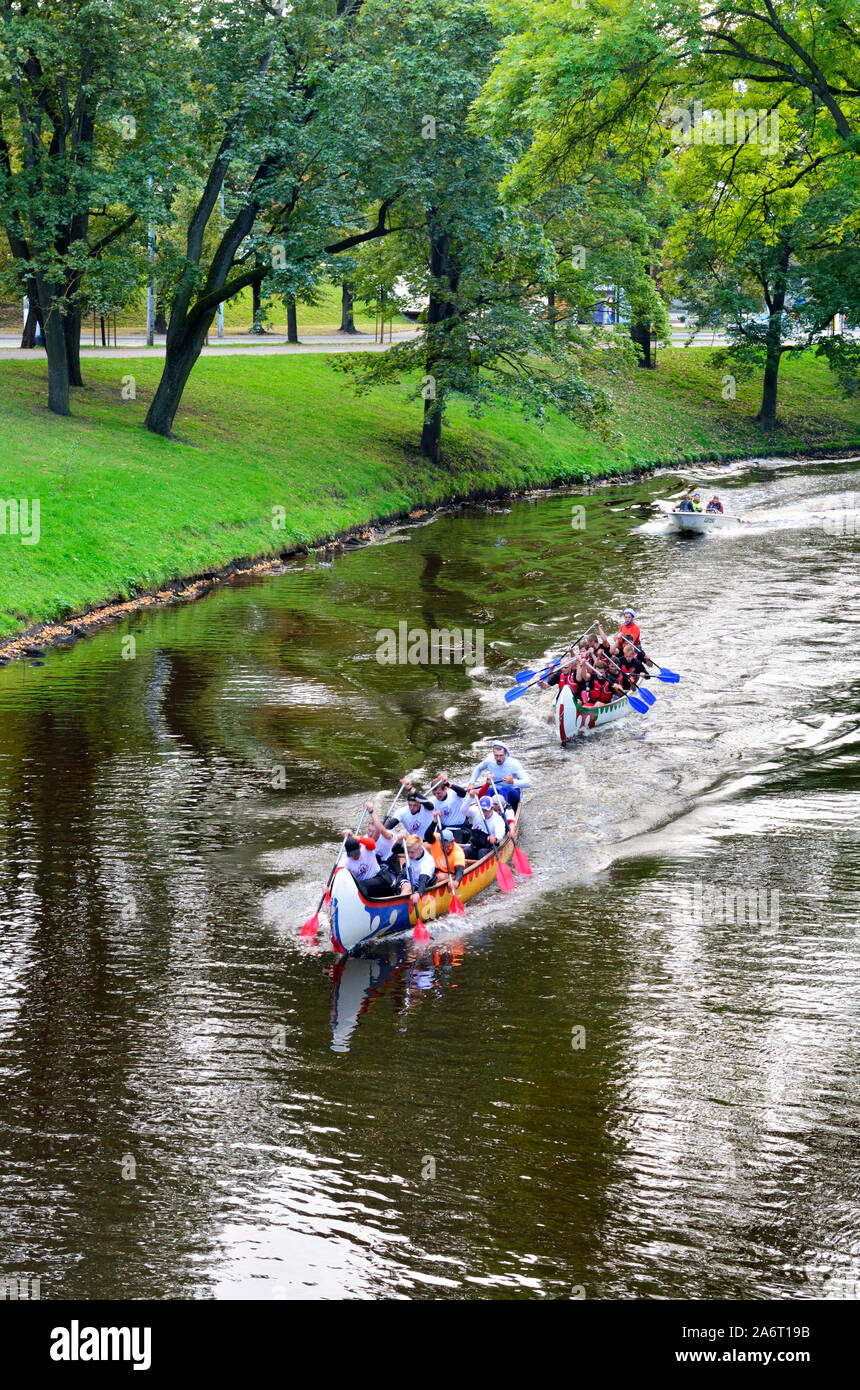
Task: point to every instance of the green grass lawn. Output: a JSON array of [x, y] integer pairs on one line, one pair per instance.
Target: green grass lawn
[[123, 511]]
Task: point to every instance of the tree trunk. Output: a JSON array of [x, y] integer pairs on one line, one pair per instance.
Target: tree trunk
[[767, 413], [640, 333], [256, 300], [179, 361], [292, 323], [55, 349], [102, 328], [347, 302], [775, 304], [34, 320], [431, 432], [72, 334], [440, 311], [160, 322]]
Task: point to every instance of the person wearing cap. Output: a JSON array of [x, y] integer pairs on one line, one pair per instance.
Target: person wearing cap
[[361, 857], [448, 856], [697, 501], [418, 815], [508, 773], [629, 627], [488, 827]]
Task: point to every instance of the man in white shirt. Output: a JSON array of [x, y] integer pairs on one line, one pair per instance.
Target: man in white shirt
[[367, 858], [508, 773], [488, 827]]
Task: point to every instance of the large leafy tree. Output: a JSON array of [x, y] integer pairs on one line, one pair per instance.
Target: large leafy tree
[[481, 261], [81, 121], [278, 136]]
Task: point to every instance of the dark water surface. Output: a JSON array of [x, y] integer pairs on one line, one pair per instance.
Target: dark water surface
[[194, 1104]]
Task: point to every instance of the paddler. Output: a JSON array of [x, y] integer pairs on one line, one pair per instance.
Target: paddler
[[629, 627], [449, 803], [448, 856], [488, 827], [507, 772], [418, 816], [366, 857], [420, 870]]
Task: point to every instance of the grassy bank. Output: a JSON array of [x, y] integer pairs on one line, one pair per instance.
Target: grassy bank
[[122, 511]]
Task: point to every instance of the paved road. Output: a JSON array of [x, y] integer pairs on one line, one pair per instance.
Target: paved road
[[230, 345]]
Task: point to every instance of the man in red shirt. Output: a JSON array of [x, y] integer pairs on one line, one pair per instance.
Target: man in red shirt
[[629, 627]]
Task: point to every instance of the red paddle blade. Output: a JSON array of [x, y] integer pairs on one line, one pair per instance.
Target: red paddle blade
[[312, 926], [504, 877], [327, 896], [521, 863], [421, 933], [456, 906]]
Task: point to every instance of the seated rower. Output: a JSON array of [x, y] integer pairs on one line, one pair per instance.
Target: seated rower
[[449, 803], [448, 856], [367, 861], [488, 827], [686, 503], [564, 674], [420, 870], [637, 659], [507, 773], [715, 505], [418, 816]]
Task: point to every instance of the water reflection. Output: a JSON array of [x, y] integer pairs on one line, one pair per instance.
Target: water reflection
[[395, 969]]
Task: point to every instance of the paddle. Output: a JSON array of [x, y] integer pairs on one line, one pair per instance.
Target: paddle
[[633, 700], [664, 674], [504, 877], [420, 933], [552, 660], [456, 906], [520, 858], [312, 925]]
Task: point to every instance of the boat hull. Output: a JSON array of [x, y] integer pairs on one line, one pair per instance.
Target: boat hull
[[571, 718], [697, 522], [356, 920]]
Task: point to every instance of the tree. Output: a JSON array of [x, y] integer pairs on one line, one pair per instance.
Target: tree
[[289, 145], [766, 229], [479, 261], [80, 117]]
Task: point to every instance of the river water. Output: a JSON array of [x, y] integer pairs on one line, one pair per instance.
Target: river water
[[610, 1084]]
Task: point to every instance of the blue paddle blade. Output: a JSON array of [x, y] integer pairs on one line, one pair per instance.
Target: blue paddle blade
[[524, 676], [647, 696], [638, 705], [515, 693], [667, 675]]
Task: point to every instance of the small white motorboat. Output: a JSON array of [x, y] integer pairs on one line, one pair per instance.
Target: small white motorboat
[[698, 522]]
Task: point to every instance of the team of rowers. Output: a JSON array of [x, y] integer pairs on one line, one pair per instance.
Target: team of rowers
[[602, 669], [440, 830]]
